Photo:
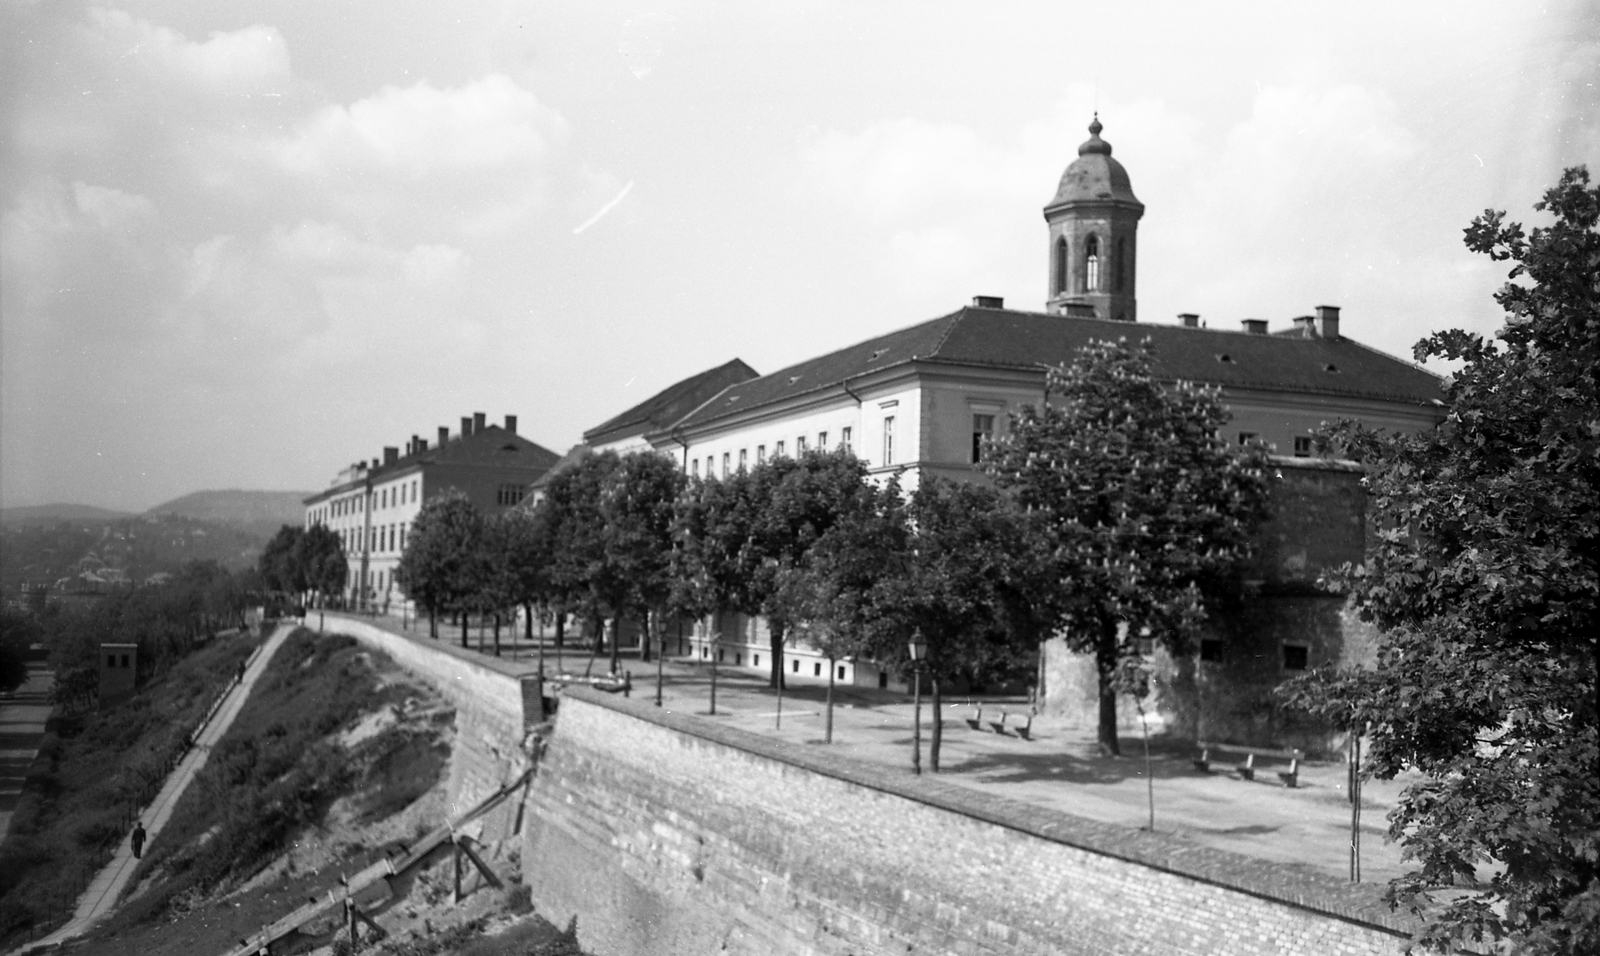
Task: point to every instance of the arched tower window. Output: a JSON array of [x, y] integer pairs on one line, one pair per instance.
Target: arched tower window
[[1119, 269], [1091, 264], [1059, 266]]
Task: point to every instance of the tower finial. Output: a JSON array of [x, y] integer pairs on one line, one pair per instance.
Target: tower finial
[[1094, 126]]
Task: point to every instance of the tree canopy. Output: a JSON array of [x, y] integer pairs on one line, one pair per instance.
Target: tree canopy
[[1145, 507], [445, 566], [1483, 575]]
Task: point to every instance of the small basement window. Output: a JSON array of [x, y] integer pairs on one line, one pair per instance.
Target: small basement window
[[1302, 446], [1295, 657]]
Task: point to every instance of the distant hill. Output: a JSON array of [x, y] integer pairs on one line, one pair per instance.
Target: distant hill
[[59, 512], [260, 511]]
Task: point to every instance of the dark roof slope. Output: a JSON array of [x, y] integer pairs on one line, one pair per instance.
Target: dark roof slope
[[670, 404], [492, 446], [1003, 338]]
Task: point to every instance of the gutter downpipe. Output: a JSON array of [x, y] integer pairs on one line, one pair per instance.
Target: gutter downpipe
[[673, 434]]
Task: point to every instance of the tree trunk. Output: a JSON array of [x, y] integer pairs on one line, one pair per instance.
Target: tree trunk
[[464, 630], [937, 736], [616, 642], [497, 634], [433, 624], [775, 632], [644, 640], [1106, 664], [827, 727], [561, 626]]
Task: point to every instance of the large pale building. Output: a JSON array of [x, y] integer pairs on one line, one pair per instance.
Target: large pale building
[[921, 399], [371, 504]]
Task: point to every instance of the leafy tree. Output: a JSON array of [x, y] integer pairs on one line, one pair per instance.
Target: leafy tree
[[443, 567], [18, 631], [322, 561], [967, 581], [1144, 506], [525, 557], [636, 511], [1482, 573], [280, 561]]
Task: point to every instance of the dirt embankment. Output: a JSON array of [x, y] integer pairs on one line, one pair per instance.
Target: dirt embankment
[[338, 758]]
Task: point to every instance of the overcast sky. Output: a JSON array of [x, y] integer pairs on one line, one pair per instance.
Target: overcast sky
[[247, 243]]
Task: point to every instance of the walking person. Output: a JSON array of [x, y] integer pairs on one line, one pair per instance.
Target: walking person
[[137, 838]]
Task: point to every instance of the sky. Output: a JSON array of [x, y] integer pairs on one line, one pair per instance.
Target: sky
[[245, 244]]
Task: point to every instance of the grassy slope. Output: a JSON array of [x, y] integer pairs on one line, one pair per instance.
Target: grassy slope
[[269, 784], [90, 767]]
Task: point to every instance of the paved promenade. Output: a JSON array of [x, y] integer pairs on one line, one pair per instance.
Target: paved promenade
[[1060, 767], [107, 886], [22, 718]]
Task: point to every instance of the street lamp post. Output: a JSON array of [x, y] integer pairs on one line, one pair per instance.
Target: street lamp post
[[919, 654], [661, 653]]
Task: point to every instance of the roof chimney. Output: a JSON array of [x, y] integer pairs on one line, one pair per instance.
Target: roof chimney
[[1305, 326], [1328, 321], [989, 301], [422, 444], [444, 436], [466, 427], [391, 454], [479, 419], [511, 424], [374, 464], [1254, 326], [1190, 320]]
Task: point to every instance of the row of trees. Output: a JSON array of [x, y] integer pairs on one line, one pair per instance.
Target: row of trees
[[305, 562], [1116, 512]]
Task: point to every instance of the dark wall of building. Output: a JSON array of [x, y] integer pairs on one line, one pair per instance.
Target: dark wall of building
[[1284, 624]]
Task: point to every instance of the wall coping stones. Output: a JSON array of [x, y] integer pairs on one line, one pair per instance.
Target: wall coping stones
[[1294, 886], [446, 644]]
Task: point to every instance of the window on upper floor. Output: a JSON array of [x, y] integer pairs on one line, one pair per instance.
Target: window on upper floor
[[1059, 267], [694, 468], [1246, 438], [777, 450], [982, 431], [800, 445], [822, 441], [844, 439], [743, 455], [761, 454], [888, 439], [726, 458], [1091, 264], [509, 494]]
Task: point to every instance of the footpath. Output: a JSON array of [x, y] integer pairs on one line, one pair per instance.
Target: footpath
[[107, 886], [23, 713]]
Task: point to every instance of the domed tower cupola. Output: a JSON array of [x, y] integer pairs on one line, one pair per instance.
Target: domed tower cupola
[[1094, 226]]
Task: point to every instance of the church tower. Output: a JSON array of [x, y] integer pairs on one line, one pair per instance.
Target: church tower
[[1094, 233]]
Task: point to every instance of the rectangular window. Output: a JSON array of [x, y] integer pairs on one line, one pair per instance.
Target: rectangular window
[[743, 455], [777, 450], [888, 439], [402, 537], [841, 672], [1211, 650], [816, 669], [800, 445], [509, 494], [844, 438], [982, 431], [725, 459], [1302, 446], [822, 441], [1246, 438], [755, 660], [1295, 657], [761, 454], [694, 468]]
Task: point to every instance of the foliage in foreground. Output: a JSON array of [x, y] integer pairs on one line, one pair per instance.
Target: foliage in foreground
[[1484, 575]]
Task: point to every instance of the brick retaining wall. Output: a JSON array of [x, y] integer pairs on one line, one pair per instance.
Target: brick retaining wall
[[665, 833]]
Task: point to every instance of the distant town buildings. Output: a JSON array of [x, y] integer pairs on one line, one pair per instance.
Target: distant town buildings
[[372, 504]]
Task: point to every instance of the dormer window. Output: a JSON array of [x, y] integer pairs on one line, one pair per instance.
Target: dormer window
[[1091, 264], [877, 354], [1330, 367], [1225, 358]]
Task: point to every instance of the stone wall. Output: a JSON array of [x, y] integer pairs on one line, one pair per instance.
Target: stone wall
[[489, 711], [670, 834]]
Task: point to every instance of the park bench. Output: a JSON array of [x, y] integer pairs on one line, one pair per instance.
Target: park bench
[[1024, 730], [1247, 767]]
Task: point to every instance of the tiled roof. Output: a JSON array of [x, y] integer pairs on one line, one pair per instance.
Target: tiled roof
[[1004, 338], [670, 404], [493, 446]]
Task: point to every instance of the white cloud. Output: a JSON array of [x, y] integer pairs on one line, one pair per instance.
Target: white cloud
[[229, 61]]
